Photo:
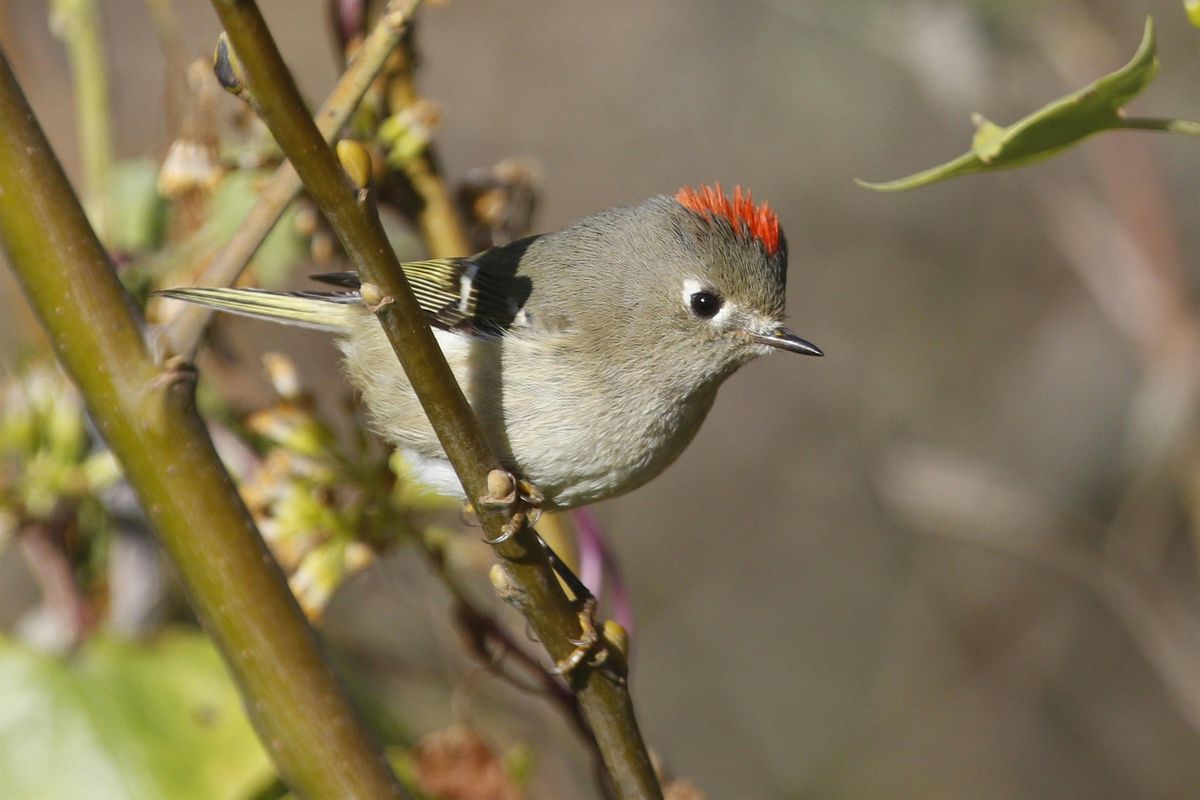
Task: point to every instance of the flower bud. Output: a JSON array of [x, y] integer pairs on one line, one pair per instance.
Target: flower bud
[[356, 161]]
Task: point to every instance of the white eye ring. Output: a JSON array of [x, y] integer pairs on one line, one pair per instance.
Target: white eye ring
[[703, 303]]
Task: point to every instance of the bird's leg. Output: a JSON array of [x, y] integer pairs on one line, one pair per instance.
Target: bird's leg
[[579, 591], [524, 499], [590, 640], [507, 491]]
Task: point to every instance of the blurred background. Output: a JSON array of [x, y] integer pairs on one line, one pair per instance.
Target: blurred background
[[955, 558]]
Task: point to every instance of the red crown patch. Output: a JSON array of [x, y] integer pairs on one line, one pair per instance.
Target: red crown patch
[[759, 221]]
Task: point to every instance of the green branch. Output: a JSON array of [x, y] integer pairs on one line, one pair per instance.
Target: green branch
[[78, 25], [182, 333], [146, 416], [605, 701]]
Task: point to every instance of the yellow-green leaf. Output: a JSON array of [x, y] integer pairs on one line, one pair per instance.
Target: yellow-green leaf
[[1192, 7], [125, 720], [1049, 130]]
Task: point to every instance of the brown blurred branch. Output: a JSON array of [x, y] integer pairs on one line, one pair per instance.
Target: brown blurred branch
[[436, 214], [967, 501], [605, 700], [44, 546], [147, 416]]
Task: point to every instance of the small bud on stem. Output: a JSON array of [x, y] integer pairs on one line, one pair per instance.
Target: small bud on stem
[[356, 161]]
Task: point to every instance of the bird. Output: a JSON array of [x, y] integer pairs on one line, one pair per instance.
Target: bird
[[591, 355]]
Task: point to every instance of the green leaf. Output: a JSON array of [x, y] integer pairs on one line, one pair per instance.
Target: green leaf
[[138, 212], [123, 719], [232, 201], [1049, 130], [1192, 7]]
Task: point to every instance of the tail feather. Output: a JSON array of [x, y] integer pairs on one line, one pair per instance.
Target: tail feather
[[326, 311]]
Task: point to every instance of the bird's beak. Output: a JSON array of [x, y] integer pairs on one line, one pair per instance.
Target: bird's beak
[[784, 339]]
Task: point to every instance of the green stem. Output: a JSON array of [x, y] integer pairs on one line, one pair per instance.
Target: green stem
[[77, 23], [605, 701], [147, 416], [181, 334], [1181, 126]]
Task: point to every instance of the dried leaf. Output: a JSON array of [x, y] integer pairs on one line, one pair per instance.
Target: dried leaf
[[456, 764]]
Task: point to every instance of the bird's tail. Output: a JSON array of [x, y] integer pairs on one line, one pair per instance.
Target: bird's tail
[[326, 311]]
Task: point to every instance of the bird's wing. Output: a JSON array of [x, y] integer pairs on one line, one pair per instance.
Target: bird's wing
[[482, 294]]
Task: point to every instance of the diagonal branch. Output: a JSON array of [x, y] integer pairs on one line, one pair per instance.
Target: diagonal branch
[[182, 333], [146, 415], [605, 700]]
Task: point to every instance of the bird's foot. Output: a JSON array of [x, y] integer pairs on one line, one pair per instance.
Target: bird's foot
[[519, 496], [506, 490], [590, 648]]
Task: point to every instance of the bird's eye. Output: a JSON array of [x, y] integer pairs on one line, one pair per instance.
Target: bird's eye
[[705, 304]]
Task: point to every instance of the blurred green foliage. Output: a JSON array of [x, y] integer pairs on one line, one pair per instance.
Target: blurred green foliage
[[125, 719], [49, 465]]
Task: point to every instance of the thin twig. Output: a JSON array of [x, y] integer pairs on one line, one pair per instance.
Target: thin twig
[[1185, 127], [554, 620], [486, 627], [957, 499], [44, 547], [147, 416], [181, 333], [166, 26]]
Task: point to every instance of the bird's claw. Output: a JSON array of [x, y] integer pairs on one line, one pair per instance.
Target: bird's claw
[[530, 495], [508, 531], [590, 643], [506, 491]]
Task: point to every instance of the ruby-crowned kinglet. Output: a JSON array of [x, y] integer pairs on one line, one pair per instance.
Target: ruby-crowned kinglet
[[591, 355]]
